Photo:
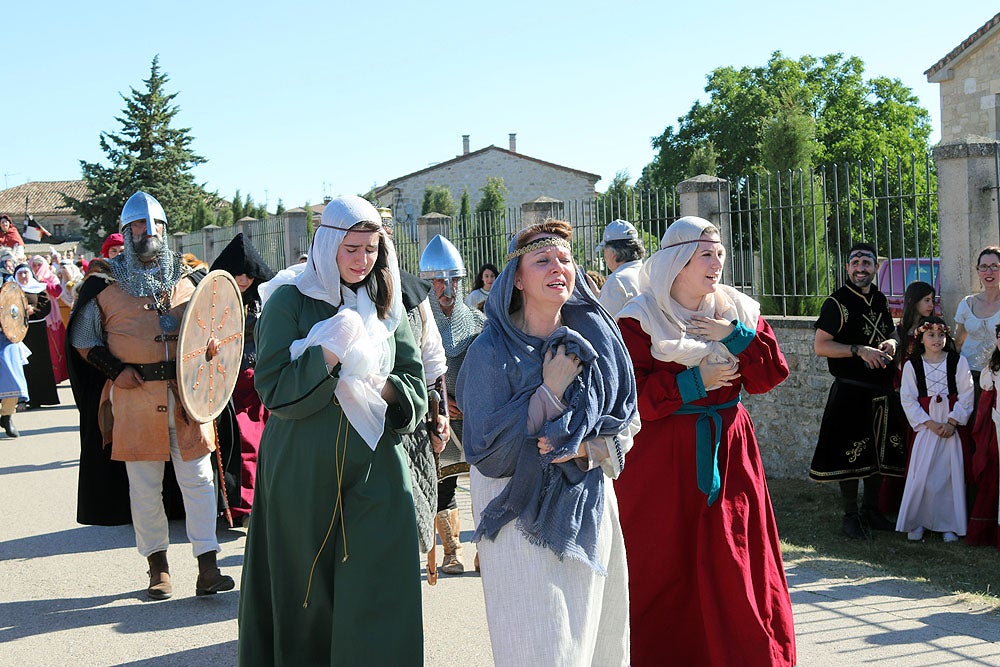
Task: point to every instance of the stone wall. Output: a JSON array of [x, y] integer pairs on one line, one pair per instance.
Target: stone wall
[[787, 418], [525, 180], [970, 89]]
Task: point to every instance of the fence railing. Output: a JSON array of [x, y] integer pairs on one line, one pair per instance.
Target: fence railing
[[788, 231], [267, 235]]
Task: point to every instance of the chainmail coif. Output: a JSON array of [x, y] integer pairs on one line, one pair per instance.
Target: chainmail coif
[[136, 278]]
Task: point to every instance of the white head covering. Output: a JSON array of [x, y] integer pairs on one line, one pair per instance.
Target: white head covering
[[363, 371], [32, 286], [665, 320]]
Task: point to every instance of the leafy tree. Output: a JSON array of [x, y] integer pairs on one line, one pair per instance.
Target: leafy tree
[[280, 208], [225, 217], [438, 199], [704, 160], [201, 215], [237, 206], [491, 210], [617, 202], [465, 207], [310, 225], [147, 154], [856, 119], [793, 239]]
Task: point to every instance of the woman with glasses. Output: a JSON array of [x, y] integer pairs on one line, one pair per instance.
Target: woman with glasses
[[978, 316]]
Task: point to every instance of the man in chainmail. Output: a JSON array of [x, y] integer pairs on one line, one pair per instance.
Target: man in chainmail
[[125, 327], [458, 325], [428, 439]]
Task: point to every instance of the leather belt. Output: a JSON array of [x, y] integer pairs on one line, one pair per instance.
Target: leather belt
[[163, 370]]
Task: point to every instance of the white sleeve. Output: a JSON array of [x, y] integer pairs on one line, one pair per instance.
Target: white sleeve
[[908, 396], [986, 379], [963, 311], [431, 346], [963, 380]]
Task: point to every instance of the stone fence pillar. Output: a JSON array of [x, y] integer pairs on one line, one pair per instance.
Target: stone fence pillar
[[429, 226], [967, 213], [708, 197]]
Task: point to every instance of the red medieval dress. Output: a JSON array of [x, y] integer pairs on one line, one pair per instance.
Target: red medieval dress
[[706, 582]]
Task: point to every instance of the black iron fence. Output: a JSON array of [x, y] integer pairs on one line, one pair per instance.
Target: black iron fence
[[788, 232], [267, 235]]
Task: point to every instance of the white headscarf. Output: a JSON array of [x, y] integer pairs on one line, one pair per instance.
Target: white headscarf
[[363, 371], [665, 320]]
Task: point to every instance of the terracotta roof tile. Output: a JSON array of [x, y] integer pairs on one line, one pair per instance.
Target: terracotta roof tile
[[44, 197], [473, 154], [964, 46]]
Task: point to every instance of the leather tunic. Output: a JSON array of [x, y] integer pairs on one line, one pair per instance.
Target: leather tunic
[[140, 430]]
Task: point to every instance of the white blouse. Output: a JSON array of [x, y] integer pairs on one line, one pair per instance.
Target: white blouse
[[982, 337]]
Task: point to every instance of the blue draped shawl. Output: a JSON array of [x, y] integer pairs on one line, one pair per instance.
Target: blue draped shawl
[[555, 505]]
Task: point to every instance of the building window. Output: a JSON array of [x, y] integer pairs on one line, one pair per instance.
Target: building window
[[59, 230]]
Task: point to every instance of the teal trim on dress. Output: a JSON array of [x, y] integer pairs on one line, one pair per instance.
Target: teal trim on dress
[[707, 454], [690, 385], [740, 339]]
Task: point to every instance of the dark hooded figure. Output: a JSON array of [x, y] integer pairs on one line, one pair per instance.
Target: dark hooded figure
[[242, 260]]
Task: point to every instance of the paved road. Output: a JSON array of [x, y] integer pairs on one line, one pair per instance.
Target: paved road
[[73, 595]]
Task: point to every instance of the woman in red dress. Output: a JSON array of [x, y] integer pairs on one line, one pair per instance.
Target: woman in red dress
[[706, 581]]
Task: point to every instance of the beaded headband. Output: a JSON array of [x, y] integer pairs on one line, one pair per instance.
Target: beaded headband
[[931, 326], [539, 243], [862, 253]]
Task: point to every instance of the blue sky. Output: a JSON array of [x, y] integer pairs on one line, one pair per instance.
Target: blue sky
[[298, 100]]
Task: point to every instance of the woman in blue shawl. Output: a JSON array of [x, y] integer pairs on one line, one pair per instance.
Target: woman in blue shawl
[[549, 400]]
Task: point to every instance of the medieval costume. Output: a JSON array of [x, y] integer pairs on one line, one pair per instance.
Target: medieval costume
[[39, 371], [457, 328], [331, 572], [934, 495], [128, 332], [706, 581], [54, 324], [553, 559], [419, 453], [984, 471], [240, 258], [862, 432], [13, 385]]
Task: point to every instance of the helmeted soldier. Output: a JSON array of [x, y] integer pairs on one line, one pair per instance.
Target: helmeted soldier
[[459, 325], [126, 328]]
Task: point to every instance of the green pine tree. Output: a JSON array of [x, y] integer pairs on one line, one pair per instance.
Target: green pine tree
[[146, 154]]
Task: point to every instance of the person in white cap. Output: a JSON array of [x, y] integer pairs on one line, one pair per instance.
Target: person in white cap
[[623, 253], [124, 330]]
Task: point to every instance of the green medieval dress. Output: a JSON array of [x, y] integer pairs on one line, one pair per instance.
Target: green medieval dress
[[363, 592]]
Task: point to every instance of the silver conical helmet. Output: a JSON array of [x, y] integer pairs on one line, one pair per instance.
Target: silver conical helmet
[[441, 259], [142, 206]]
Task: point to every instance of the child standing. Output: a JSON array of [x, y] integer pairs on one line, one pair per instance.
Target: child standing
[[936, 393], [918, 303]]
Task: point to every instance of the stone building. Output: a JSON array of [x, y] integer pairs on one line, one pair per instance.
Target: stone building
[[526, 178], [970, 85], [45, 203]]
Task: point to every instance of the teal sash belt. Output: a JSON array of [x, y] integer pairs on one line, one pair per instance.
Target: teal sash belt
[[707, 453]]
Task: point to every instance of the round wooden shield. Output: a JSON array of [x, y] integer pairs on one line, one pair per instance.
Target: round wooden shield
[[13, 312], [210, 346]]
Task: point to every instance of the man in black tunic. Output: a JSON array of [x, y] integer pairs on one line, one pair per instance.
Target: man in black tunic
[[862, 435]]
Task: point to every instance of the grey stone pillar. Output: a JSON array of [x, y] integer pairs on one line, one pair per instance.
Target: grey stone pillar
[[429, 226], [540, 209], [708, 197], [967, 213], [208, 243]]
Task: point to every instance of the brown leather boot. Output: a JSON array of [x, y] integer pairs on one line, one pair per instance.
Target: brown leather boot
[[159, 577], [210, 578], [450, 531]]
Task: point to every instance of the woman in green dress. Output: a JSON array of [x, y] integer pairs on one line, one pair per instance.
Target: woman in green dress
[[332, 572]]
